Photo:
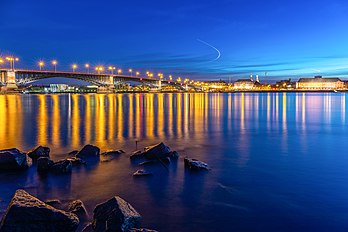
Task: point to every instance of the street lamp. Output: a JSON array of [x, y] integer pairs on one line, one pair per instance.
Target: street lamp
[[112, 69], [54, 62], [119, 71], [137, 73], [41, 64], [99, 69], [74, 66], [131, 71], [1, 61], [170, 77], [87, 67], [12, 59]]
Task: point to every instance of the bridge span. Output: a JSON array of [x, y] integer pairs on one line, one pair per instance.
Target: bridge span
[[20, 77]]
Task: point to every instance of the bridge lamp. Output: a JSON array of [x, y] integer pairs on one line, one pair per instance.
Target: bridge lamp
[[137, 73], [170, 77], [41, 64], [54, 62], [1, 61], [119, 71], [87, 67], [112, 69], [74, 66], [178, 80], [131, 71]]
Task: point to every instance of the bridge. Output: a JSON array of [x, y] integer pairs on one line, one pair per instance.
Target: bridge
[[18, 78]]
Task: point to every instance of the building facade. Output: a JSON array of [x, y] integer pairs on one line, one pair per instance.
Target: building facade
[[320, 83], [243, 84]]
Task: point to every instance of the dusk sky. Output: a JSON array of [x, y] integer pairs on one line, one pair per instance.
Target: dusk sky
[[198, 39]]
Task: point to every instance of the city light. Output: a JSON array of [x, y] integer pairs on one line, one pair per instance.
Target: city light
[[41, 64], [112, 69], [12, 60], [119, 71], [74, 67], [131, 71], [99, 69], [54, 62], [137, 73], [87, 67]]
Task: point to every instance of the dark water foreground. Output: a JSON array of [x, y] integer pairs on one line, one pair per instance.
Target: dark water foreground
[[279, 160]]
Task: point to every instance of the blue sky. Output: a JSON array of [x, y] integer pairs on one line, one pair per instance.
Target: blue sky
[[283, 38]]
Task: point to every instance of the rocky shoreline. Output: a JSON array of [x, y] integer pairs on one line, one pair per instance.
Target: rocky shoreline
[[27, 213]]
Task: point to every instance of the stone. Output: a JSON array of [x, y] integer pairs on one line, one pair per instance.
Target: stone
[[115, 215], [157, 151], [195, 165], [44, 164], [62, 167], [27, 213], [54, 203], [142, 172], [136, 155], [38, 152], [13, 159], [112, 153], [75, 161], [77, 207], [150, 162], [89, 151]]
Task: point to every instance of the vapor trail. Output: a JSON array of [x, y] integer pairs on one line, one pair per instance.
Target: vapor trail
[[219, 53]]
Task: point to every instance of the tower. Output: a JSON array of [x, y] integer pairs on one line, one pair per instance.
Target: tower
[[251, 76], [257, 78]]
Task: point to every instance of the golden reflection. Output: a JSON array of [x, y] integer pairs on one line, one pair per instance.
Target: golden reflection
[[119, 116], [75, 121], [55, 122], [242, 113], [160, 115], [284, 111], [111, 114], [42, 120], [88, 119]]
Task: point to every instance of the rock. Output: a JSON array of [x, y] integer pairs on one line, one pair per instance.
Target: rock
[[115, 215], [77, 207], [195, 165], [38, 152], [142, 172], [136, 155], [141, 230], [89, 151], [75, 161], [173, 154], [27, 213], [44, 164], [13, 159], [149, 162], [73, 153], [112, 153], [157, 151], [61, 167], [54, 203]]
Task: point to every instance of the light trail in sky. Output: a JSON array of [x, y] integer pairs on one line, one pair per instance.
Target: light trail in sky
[[217, 50]]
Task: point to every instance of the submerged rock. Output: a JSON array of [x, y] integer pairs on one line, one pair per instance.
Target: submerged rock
[[112, 153], [73, 153], [44, 164], [136, 155], [27, 213], [158, 161], [157, 151], [194, 164], [38, 152], [89, 151], [62, 167], [115, 215], [13, 159], [77, 207], [75, 161], [142, 172]]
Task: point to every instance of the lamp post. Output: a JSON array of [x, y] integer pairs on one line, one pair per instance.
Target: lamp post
[[119, 71], [41, 64], [131, 71], [99, 69], [74, 66], [12, 60], [112, 69], [1, 61], [87, 67], [54, 62], [137, 73]]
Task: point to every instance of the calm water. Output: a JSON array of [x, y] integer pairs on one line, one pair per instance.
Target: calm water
[[279, 161]]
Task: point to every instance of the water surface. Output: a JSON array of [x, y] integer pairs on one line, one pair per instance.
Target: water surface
[[279, 160]]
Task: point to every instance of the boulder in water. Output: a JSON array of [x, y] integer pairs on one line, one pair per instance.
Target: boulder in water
[[75, 161], [115, 215], [38, 152], [195, 165], [157, 151], [44, 164], [141, 230], [77, 207], [89, 151], [61, 167], [13, 159], [27, 213]]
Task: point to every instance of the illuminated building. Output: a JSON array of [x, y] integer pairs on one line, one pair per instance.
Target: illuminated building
[[320, 83], [244, 84]]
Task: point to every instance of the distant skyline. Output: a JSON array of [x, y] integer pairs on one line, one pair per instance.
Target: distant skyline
[[227, 39]]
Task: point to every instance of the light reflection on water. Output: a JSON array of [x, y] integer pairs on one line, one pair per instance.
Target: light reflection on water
[[278, 159]]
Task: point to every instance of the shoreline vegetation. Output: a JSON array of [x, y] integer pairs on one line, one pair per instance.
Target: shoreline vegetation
[[25, 212]]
